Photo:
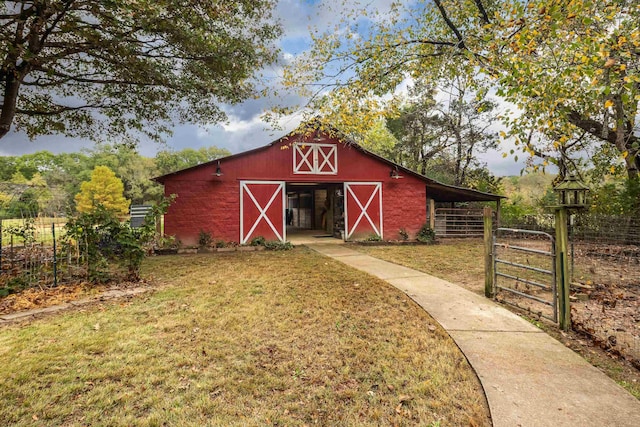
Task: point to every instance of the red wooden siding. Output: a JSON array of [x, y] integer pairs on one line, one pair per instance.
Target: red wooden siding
[[212, 204]]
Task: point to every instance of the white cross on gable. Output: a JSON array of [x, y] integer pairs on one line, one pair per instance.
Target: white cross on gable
[[311, 158]]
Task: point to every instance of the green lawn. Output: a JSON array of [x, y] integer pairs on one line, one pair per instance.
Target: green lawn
[[42, 225], [257, 338]]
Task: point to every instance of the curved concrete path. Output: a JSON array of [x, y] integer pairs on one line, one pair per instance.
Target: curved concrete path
[[529, 378]]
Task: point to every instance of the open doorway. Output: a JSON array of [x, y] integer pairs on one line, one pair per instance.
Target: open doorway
[[316, 209]]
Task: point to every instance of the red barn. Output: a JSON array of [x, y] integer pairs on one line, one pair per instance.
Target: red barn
[[314, 181]]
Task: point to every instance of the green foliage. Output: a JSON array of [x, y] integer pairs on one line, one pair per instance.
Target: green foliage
[[140, 64], [171, 161], [258, 241], [26, 232], [619, 197], [276, 245], [373, 237], [103, 240], [515, 209], [380, 140], [426, 234], [204, 239], [13, 285]]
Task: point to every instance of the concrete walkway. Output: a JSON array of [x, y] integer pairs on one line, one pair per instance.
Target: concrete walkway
[[529, 378]]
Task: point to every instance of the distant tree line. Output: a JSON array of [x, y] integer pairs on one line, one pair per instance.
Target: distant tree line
[[46, 184]]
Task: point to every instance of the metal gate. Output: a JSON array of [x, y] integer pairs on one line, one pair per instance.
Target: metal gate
[[459, 222], [524, 268]]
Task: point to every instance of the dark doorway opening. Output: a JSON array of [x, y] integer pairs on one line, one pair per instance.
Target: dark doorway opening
[[315, 206]]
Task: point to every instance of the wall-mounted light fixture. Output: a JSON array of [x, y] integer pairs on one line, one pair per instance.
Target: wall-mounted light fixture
[[318, 136], [395, 173], [218, 170]]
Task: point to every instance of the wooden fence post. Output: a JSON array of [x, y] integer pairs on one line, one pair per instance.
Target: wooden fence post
[[432, 214], [488, 252], [562, 269]]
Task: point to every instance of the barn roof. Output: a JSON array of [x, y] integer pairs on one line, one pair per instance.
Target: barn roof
[[436, 190]]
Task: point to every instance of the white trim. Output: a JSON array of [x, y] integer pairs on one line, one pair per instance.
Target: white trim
[[304, 158], [326, 159], [363, 209], [318, 160], [244, 188]]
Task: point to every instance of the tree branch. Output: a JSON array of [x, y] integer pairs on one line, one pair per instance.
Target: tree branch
[[450, 24]]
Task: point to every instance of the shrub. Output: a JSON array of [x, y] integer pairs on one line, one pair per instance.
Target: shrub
[[204, 239], [103, 240], [426, 234], [26, 231], [276, 245], [373, 238], [258, 241]]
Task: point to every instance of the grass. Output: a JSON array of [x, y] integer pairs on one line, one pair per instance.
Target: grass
[[460, 261], [244, 338], [42, 230]]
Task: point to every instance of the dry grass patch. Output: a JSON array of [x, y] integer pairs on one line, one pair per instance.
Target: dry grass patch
[[242, 339], [460, 261]]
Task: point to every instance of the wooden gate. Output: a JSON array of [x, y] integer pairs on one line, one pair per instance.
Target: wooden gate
[[363, 208], [262, 208]]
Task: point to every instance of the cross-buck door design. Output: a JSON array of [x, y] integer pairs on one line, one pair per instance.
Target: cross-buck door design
[[363, 208], [262, 207], [319, 159]]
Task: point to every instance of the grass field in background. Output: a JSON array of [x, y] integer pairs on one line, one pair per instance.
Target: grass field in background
[[43, 229], [243, 338]]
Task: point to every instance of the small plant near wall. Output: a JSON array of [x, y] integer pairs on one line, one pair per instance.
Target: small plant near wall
[[403, 234], [257, 241], [373, 238], [276, 245], [204, 239], [426, 234], [221, 244]]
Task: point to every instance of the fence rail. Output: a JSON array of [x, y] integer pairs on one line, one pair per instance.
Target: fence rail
[[34, 253], [459, 222]]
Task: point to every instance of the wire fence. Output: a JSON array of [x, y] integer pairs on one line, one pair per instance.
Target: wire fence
[[605, 278], [34, 253]]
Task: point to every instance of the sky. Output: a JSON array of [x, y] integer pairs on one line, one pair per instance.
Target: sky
[[245, 129]]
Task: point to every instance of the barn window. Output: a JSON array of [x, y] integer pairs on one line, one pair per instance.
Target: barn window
[[319, 159]]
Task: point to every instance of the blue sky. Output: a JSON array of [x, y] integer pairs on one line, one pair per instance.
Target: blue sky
[[244, 129]]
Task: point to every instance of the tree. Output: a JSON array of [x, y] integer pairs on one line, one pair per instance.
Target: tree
[[442, 139], [95, 69], [569, 66], [381, 141], [171, 161], [104, 189], [418, 127]]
